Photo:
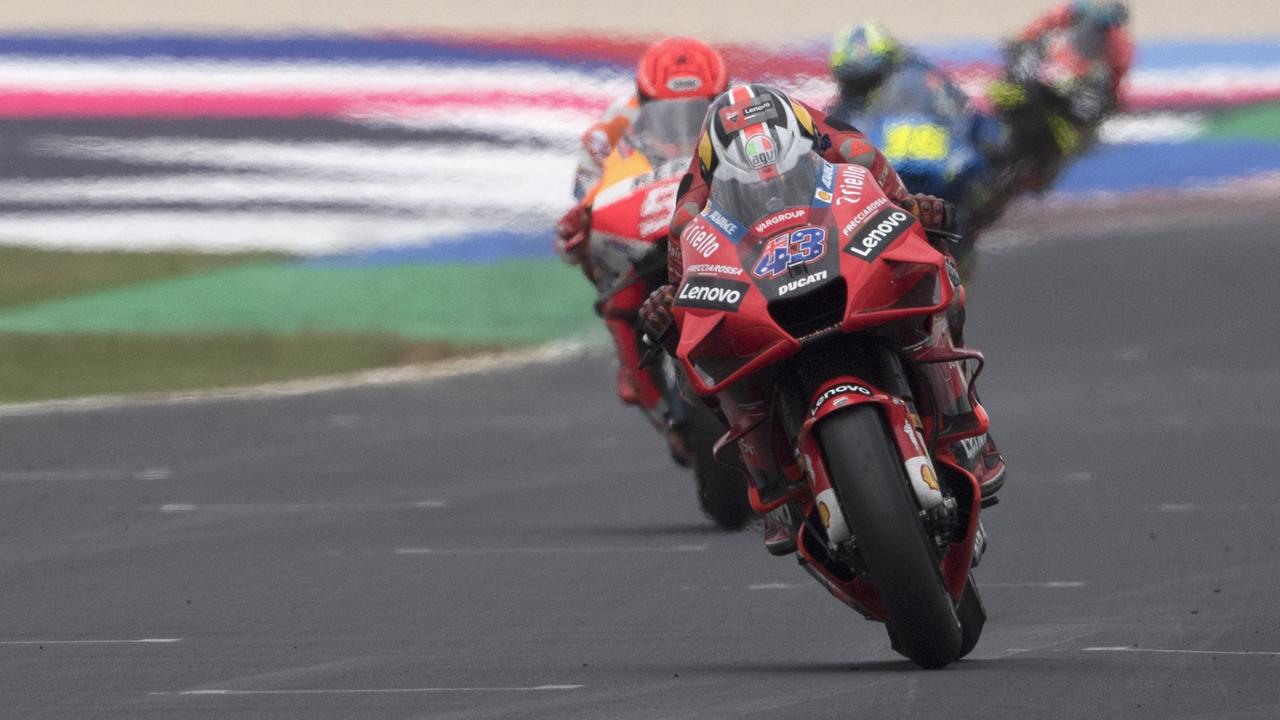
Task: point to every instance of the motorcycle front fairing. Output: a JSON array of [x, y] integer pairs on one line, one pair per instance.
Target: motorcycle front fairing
[[752, 295]]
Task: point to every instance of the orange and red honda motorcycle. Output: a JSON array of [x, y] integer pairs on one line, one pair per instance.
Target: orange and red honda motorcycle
[[826, 332], [629, 217]]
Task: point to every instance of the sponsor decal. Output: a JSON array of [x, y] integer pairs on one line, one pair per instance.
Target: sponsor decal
[[711, 293], [862, 215], [910, 432], [973, 446], [778, 219], [842, 389], [761, 151], [727, 224], [879, 233], [852, 180], [750, 112], [784, 252], [683, 84], [701, 240], [822, 195], [801, 282], [713, 269]]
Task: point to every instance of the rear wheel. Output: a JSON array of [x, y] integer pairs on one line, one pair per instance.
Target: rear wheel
[[882, 512], [722, 489]]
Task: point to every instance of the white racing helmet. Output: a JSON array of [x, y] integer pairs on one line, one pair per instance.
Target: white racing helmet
[[754, 135]]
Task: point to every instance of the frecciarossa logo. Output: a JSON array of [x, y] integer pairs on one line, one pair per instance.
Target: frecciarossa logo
[[711, 293], [879, 233]]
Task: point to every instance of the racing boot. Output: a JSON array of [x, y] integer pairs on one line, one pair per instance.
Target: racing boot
[[781, 526]]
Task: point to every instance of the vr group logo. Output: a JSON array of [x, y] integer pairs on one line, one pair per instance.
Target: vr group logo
[[799, 247], [780, 220], [711, 293], [879, 233]]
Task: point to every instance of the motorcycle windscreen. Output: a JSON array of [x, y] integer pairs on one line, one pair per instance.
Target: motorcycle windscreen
[[666, 130], [751, 200]]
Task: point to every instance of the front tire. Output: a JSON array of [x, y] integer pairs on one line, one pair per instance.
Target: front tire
[[874, 492], [973, 616]]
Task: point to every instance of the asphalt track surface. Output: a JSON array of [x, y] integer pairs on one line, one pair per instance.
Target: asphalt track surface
[[516, 545]]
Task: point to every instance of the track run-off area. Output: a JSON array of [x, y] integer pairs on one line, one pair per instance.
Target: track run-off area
[[515, 543]]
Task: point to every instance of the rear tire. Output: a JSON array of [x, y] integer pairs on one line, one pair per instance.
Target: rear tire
[[722, 489], [874, 491]]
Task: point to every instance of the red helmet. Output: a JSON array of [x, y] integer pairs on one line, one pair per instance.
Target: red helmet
[[678, 68]]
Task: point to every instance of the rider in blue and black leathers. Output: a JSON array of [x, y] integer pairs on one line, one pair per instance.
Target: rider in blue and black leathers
[[937, 140]]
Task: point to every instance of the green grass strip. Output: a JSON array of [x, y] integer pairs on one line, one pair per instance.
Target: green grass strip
[[30, 275], [503, 303], [1258, 122]]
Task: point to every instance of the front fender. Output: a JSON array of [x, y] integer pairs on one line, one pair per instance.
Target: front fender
[[845, 392]]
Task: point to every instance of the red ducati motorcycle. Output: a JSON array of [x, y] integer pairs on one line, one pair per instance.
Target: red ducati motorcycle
[[629, 216], [821, 330]]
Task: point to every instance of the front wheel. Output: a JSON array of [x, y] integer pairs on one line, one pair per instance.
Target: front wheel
[[973, 616], [874, 492]]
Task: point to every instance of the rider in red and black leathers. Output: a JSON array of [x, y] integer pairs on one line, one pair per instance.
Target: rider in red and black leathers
[[836, 142]]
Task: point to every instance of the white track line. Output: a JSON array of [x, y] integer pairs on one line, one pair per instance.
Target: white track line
[[162, 75], [222, 231], [245, 508], [139, 641], [524, 195], [1049, 584], [22, 476], [369, 691], [1151, 128], [577, 550], [1263, 653], [474, 365]]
